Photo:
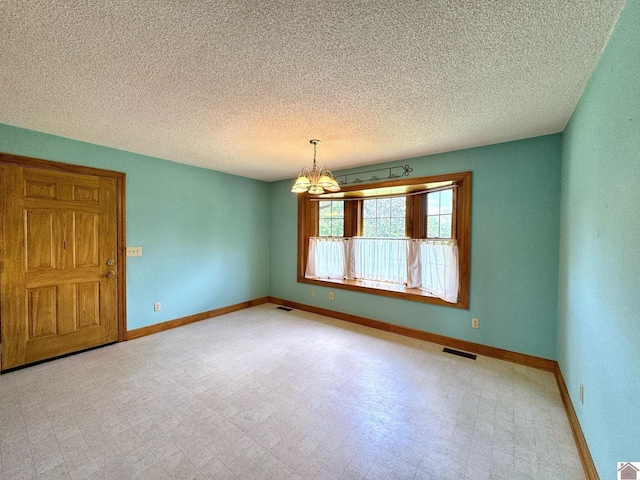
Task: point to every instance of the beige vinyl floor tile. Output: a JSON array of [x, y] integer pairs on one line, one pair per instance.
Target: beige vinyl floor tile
[[267, 394]]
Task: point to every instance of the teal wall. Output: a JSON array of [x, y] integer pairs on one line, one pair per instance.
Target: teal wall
[[599, 281], [514, 250], [203, 233]]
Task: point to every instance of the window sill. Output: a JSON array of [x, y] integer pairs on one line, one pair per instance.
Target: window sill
[[383, 289]]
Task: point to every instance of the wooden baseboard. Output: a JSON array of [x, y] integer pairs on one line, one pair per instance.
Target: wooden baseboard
[[179, 322], [487, 351], [583, 449]]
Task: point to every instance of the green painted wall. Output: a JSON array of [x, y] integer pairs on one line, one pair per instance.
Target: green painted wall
[[203, 233], [514, 250], [599, 281]]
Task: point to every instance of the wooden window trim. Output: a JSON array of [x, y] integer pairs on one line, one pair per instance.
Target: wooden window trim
[[308, 227]]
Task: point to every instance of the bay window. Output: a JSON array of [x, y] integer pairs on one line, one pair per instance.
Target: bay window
[[405, 238]]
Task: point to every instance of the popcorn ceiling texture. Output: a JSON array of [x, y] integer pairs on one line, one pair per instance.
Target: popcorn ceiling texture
[[241, 86]]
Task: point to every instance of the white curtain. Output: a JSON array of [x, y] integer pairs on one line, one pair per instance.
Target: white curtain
[[430, 265], [433, 267], [382, 259], [414, 267], [327, 258]]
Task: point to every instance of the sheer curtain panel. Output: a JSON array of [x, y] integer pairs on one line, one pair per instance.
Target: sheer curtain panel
[[381, 259], [327, 258], [433, 267]]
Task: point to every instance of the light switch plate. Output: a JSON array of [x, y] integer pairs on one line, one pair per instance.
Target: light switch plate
[[134, 251]]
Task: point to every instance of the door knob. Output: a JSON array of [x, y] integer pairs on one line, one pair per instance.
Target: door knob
[[110, 274], [110, 262]]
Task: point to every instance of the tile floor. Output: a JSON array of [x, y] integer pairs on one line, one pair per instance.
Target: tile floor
[[268, 394]]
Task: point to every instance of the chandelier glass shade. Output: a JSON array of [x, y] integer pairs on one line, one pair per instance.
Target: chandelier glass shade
[[316, 180]]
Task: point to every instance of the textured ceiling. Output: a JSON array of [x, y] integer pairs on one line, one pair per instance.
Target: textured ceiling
[[241, 86]]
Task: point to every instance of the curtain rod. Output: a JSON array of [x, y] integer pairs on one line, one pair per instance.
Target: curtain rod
[[355, 237], [410, 194]]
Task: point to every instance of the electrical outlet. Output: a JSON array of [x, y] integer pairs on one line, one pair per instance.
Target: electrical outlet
[[475, 323], [582, 394], [312, 292], [330, 295], [156, 307]]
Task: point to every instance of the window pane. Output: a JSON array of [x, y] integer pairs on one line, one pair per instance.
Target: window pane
[[369, 227], [397, 227], [398, 207], [445, 226], [433, 226], [446, 201], [389, 215], [384, 207], [331, 221], [369, 208], [433, 203], [325, 227], [325, 209], [384, 227]]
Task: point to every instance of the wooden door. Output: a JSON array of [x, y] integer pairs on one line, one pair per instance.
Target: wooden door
[[59, 263]]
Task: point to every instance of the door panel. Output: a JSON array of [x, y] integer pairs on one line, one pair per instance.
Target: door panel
[[88, 304], [35, 189], [39, 227], [42, 311], [59, 236], [86, 194], [86, 239]]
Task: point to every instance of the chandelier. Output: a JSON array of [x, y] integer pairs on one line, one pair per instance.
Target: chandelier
[[315, 181]]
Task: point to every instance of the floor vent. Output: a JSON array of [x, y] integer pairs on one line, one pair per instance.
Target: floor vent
[[459, 353], [285, 309]]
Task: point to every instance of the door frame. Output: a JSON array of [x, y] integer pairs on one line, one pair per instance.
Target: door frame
[[119, 177]]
